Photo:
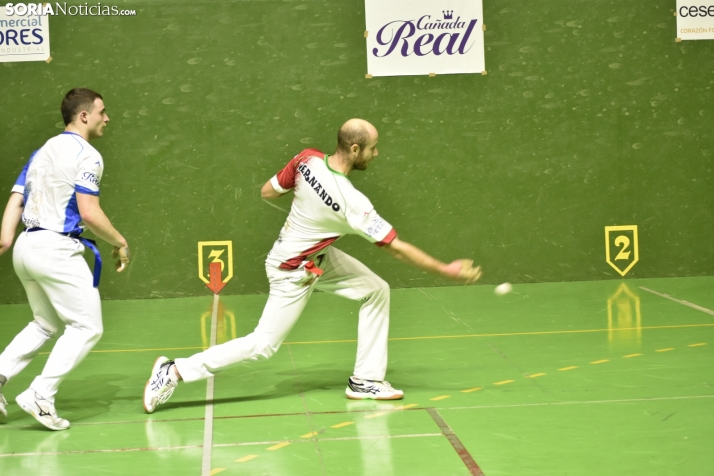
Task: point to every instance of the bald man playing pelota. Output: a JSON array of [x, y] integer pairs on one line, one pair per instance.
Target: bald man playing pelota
[[325, 207]]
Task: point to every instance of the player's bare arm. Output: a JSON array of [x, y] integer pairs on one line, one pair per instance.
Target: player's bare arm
[[461, 269], [98, 223], [268, 192], [10, 220]]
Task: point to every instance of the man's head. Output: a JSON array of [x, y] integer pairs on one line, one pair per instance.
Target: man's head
[[83, 110], [357, 140]]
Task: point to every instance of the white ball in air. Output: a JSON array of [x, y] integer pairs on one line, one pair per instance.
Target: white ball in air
[[502, 289]]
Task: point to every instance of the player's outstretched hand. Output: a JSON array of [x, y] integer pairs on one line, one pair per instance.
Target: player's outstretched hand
[[463, 270], [123, 255]]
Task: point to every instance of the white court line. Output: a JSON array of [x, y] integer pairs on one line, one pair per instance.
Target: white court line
[[686, 303], [208, 424], [584, 402]]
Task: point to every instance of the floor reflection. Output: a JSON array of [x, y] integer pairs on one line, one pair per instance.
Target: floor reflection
[[624, 319], [225, 325], [373, 433]]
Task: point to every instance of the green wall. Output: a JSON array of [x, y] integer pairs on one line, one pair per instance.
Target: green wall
[[590, 115]]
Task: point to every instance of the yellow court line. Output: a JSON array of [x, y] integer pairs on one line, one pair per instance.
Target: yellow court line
[[696, 345], [569, 368], [469, 390], [216, 471], [535, 375], [665, 350], [246, 458], [375, 415], [344, 423], [504, 382], [443, 397], [411, 405], [309, 435], [119, 351], [507, 334], [347, 341], [600, 361], [278, 446], [630, 355]]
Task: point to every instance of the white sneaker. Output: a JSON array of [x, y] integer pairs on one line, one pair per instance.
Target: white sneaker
[[359, 389], [42, 409], [3, 406], [161, 384]]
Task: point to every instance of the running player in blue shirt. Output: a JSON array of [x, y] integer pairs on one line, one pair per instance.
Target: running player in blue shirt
[[58, 189]]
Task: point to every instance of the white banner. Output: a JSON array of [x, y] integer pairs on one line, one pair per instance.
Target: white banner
[[414, 37], [695, 19], [24, 37]]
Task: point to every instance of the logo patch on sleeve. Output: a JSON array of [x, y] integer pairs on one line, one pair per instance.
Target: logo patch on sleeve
[[376, 226], [91, 178]]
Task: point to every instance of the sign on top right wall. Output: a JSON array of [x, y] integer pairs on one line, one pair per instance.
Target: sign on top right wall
[[695, 19]]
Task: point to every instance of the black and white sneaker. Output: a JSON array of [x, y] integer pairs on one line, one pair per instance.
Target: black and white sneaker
[[161, 384], [359, 389], [42, 409]]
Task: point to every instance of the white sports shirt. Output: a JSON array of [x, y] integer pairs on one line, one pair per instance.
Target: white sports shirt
[[64, 165], [325, 207]]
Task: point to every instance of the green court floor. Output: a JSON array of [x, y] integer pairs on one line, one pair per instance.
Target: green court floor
[[585, 378]]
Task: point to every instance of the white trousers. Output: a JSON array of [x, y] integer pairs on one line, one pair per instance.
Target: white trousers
[[59, 287], [343, 276]]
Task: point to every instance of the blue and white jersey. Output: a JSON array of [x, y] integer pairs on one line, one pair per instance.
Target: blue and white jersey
[[65, 165]]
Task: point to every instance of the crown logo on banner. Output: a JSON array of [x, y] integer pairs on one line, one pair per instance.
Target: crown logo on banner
[[448, 14]]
